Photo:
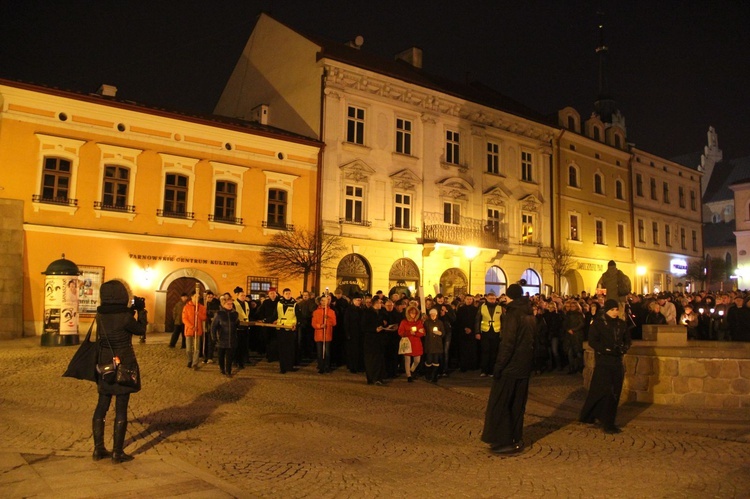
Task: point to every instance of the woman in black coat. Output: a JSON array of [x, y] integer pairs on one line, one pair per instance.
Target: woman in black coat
[[609, 337], [116, 324], [224, 328]]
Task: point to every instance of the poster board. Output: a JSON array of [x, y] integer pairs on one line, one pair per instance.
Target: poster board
[[91, 280]]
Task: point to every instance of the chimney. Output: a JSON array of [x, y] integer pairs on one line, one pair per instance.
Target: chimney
[[412, 55], [107, 90], [260, 114]]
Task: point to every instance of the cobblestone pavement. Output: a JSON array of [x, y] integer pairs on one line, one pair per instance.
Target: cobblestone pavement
[[263, 434]]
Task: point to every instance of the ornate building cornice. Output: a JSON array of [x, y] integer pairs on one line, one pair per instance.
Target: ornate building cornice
[[351, 79]]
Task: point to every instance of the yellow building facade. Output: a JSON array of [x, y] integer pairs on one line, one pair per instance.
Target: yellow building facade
[[667, 222], [164, 201], [593, 201]]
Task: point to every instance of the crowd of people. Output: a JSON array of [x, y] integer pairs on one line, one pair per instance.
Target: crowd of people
[[363, 332]]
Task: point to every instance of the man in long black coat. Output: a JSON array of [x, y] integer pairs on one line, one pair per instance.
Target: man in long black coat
[[354, 337], [466, 335], [503, 423]]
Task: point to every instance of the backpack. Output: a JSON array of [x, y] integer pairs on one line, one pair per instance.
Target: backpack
[[623, 284]]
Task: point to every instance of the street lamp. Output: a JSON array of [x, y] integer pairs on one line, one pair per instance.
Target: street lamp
[[471, 253]]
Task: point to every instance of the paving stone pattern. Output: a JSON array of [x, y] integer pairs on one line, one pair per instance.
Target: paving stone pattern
[[263, 434]]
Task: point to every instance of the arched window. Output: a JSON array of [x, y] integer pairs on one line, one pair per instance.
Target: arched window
[[619, 189], [571, 123], [598, 183], [573, 176], [597, 133], [495, 281], [533, 282]]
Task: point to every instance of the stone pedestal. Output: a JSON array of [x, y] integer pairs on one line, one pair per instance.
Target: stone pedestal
[[700, 374]]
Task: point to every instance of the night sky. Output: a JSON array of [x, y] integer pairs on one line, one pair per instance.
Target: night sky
[[676, 67]]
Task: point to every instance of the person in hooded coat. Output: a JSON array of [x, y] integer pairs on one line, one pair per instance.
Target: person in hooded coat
[[610, 339], [116, 324], [503, 423]]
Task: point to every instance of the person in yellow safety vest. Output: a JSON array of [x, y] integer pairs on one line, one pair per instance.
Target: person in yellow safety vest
[[488, 324], [286, 312]]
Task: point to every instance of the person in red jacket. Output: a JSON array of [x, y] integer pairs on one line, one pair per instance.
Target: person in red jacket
[[323, 321], [412, 328], [193, 327]]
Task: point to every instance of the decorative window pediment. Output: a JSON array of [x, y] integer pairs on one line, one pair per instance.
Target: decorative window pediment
[[531, 203], [357, 171], [498, 195], [455, 188], [405, 179]]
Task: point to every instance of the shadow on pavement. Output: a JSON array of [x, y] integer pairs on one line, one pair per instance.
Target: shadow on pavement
[[564, 414], [165, 423]]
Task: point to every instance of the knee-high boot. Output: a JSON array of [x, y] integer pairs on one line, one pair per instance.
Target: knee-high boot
[[97, 428], [118, 455]]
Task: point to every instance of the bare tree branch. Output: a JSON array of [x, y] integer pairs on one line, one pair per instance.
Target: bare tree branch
[[294, 252], [561, 260]]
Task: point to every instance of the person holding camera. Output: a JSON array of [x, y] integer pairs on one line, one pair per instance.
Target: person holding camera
[[609, 337], [116, 324]]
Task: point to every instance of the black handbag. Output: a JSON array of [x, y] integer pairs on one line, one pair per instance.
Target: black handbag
[[83, 364], [127, 376]]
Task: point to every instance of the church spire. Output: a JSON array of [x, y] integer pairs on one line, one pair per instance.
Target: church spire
[[605, 106]]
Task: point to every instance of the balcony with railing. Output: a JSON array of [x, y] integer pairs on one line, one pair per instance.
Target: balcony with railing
[[362, 223], [277, 225], [98, 205], [468, 232], [225, 220], [62, 201], [185, 215]]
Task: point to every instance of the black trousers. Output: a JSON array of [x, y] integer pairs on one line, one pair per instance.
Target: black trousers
[[179, 330], [324, 363], [489, 343], [121, 406], [225, 359]]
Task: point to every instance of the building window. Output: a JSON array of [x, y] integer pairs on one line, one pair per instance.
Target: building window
[[655, 232], [452, 213], [354, 203], [56, 180], [225, 202], [597, 133], [621, 235], [527, 228], [683, 242], [277, 208], [681, 195], [493, 158], [618, 141], [639, 185], [258, 285], [115, 187], [527, 167], [692, 200], [402, 216], [573, 177], [452, 147], [574, 234], [641, 231], [653, 189], [668, 235], [355, 125], [571, 123], [175, 195], [694, 237], [600, 232], [619, 190], [493, 221], [598, 183], [403, 136], [665, 187]]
